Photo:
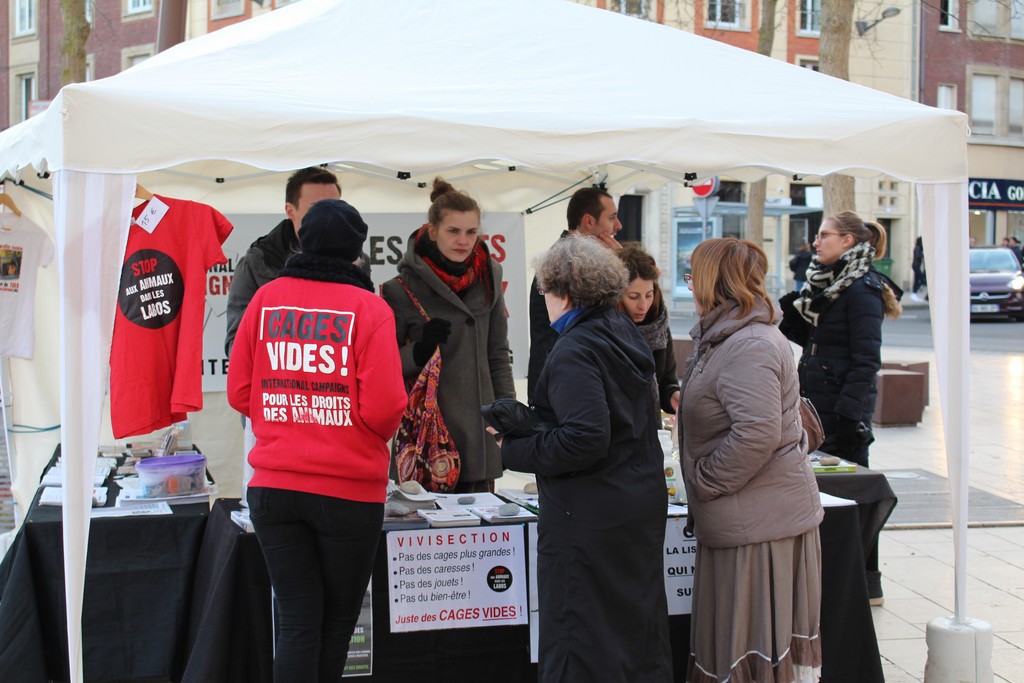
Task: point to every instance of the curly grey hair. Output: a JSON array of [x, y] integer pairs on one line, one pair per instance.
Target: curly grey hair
[[583, 269]]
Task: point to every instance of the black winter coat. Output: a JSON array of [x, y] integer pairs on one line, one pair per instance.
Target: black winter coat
[[842, 356], [601, 533]]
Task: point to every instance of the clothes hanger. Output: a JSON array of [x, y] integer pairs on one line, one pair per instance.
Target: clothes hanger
[[142, 193], [6, 200]]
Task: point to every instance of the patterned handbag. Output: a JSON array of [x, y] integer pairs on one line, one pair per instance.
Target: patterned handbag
[[423, 448]]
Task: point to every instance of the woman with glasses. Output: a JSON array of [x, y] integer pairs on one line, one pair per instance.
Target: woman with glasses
[[837, 319], [757, 580]]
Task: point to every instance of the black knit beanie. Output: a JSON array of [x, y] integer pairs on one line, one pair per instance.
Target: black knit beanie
[[333, 228]]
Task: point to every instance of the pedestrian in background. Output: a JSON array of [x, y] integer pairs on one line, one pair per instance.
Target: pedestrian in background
[[600, 475], [757, 580], [917, 265], [450, 272], [798, 264], [837, 319]]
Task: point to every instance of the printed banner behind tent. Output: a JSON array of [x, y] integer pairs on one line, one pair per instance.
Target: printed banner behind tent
[[389, 234]]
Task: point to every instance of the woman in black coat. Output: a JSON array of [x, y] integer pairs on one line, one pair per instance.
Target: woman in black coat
[[600, 475], [837, 318]]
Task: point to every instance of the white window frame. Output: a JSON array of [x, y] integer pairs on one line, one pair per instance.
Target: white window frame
[[24, 17], [132, 7], [1015, 108], [1016, 10], [712, 21], [224, 9], [639, 9], [945, 96], [809, 17], [976, 91], [987, 10], [949, 20], [129, 54], [27, 84]]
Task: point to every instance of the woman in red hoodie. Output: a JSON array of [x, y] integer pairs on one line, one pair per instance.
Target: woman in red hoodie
[[315, 367]]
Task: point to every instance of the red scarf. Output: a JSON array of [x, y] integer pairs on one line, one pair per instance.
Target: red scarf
[[476, 270]]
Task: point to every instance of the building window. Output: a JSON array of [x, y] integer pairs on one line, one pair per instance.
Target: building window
[[138, 6], [807, 63], [724, 13], [26, 93], [983, 105], [1015, 110], [810, 16], [25, 17], [1017, 20], [130, 56], [948, 11], [227, 8], [945, 96], [985, 18], [888, 197], [633, 8]]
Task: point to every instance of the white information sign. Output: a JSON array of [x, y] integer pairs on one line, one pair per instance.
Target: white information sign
[[460, 577], [680, 556]]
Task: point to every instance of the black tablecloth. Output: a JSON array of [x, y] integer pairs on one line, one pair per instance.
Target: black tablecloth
[[875, 500], [138, 585], [230, 634]]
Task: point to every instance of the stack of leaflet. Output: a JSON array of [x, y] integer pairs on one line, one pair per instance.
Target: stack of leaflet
[[55, 475], [530, 501], [54, 495]]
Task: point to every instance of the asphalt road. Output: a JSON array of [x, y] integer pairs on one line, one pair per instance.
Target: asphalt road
[[913, 329]]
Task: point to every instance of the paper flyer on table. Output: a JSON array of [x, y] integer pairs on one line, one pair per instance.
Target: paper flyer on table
[[456, 578]]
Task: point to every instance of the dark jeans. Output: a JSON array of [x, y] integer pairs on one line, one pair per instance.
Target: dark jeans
[[319, 552]]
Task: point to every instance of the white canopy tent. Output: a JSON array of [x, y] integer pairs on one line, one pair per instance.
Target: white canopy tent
[[402, 87]]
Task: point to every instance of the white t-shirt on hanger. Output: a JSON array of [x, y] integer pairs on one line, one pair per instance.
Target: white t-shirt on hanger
[[24, 248]]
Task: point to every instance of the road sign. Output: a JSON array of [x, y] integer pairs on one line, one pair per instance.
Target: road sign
[[706, 188]]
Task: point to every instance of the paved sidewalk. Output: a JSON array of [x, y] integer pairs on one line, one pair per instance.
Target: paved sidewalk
[[917, 564]]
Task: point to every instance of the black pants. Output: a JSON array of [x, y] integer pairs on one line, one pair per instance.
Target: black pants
[[319, 552]]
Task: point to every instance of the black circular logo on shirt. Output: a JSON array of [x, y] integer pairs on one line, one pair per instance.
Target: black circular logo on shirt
[[151, 289], [499, 579]]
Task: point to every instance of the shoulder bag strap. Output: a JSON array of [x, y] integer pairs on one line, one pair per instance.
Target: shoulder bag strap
[[415, 301]]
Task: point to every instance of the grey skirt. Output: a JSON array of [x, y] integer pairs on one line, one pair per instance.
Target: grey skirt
[[756, 612]]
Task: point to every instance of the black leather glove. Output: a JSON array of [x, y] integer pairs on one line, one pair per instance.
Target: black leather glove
[[852, 434], [435, 332]]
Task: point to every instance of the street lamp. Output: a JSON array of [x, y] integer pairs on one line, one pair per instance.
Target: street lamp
[[865, 26]]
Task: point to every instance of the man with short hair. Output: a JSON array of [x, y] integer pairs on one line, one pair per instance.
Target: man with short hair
[[1016, 249], [591, 211], [267, 255]]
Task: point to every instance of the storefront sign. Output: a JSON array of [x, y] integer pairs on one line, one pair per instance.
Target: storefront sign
[[995, 193], [680, 554], [460, 577]]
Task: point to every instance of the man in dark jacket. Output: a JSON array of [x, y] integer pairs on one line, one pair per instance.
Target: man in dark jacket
[[266, 256], [591, 211], [798, 264]]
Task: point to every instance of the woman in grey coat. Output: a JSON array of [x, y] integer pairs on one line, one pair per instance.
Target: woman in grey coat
[[753, 499], [450, 272]]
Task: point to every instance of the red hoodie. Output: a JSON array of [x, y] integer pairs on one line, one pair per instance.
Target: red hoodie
[[316, 368]]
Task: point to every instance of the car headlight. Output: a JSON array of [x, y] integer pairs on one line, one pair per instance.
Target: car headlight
[[1017, 283]]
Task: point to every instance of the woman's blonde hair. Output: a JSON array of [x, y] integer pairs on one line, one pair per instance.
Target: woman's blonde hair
[[727, 268], [583, 269]]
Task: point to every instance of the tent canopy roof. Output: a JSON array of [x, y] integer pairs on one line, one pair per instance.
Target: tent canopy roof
[[406, 85]]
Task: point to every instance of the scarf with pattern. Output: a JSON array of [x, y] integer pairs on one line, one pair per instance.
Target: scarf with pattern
[[826, 282]]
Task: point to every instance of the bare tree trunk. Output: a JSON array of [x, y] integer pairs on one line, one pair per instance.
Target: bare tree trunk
[[758, 190], [72, 43], [834, 52]]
